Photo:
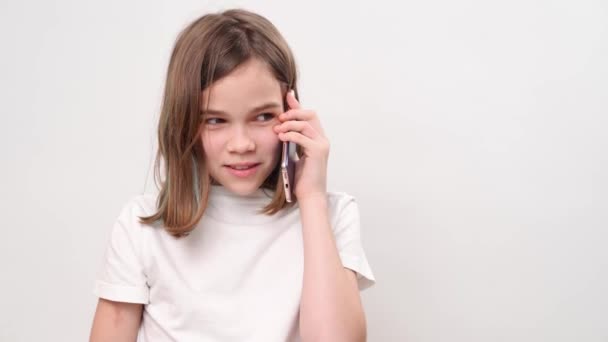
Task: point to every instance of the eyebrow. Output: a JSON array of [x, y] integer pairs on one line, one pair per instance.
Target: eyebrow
[[267, 105]]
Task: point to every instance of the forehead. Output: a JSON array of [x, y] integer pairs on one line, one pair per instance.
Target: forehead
[[249, 85]]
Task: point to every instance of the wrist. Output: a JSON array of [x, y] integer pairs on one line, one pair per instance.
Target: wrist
[[312, 198]]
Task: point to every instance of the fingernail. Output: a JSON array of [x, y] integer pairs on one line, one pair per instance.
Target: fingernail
[[293, 92]]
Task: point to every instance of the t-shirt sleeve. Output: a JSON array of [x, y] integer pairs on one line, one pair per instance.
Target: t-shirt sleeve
[[347, 231], [121, 277]]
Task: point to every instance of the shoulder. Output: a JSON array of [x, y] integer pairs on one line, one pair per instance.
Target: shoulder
[[341, 203], [339, 199], [144, 204], [137, 206]]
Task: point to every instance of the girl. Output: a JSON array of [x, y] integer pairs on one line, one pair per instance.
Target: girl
[[218, 254]]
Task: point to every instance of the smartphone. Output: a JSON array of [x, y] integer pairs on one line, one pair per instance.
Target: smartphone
[[288, 166], [288, 169]]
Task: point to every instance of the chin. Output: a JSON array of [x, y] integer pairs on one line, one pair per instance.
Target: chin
[[244, 189], [239, 187]]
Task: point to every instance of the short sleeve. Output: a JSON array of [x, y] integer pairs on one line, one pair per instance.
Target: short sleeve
[[121, 277], [347, 231]]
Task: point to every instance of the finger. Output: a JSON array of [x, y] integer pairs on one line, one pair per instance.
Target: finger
[[292, 101], [309, 116], [297, 138], [298, 114], [303, 127]]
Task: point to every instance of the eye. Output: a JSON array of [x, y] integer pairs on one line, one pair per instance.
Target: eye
[[270, 116], [210, 121]]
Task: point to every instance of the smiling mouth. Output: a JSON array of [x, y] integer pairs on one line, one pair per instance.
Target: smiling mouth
[[242, 166]]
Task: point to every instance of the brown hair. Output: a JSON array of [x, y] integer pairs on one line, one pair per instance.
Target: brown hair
[[205, 51]]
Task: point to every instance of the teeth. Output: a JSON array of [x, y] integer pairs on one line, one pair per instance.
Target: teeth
[[242, 167]]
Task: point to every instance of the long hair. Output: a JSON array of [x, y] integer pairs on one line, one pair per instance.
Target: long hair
[[208, 49]]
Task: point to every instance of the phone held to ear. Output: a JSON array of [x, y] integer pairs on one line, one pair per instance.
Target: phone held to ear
[[288, 169]]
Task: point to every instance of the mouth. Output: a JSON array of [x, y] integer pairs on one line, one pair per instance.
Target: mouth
[[242, 170], [242, 166]]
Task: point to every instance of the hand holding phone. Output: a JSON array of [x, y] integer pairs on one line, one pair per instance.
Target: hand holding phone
[[305, 151]]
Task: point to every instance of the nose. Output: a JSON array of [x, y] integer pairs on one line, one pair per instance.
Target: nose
[[240, 142]]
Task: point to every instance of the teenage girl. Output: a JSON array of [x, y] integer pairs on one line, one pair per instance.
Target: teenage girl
[[218, 254]]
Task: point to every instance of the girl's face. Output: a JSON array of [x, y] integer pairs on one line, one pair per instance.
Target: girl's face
[[237, 126]]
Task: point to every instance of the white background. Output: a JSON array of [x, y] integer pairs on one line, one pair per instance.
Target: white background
[[472, 134]]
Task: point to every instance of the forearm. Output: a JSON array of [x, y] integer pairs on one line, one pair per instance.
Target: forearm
[[330, 307]]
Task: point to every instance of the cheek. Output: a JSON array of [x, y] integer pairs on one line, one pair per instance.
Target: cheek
[[263, 135], [269, 139], [210, 142], [269, 134]]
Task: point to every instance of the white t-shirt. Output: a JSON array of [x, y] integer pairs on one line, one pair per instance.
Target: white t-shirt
[[236, 277]]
